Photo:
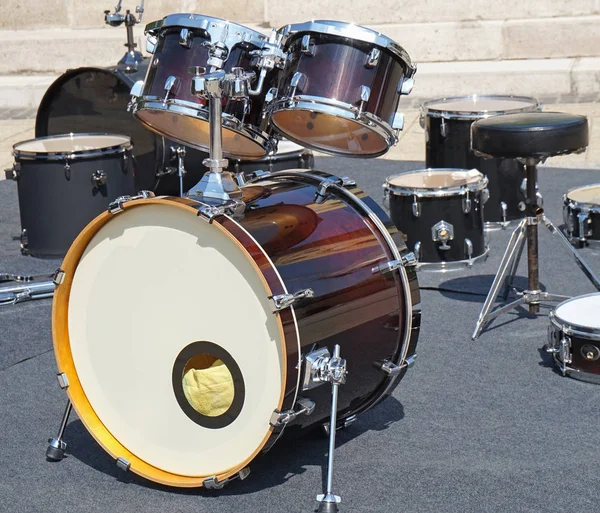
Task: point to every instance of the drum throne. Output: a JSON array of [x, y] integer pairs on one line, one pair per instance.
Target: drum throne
[[530, 137]]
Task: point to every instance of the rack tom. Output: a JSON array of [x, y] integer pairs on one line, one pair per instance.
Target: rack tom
[[182, 43], [581, 214], [440, 212], [447, 123], [574, 337], [340, 88]]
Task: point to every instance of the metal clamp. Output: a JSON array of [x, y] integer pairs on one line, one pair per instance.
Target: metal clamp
[[58, 276], [63, 381], [212, 483], [99, 178], [282, 418], [408, 260], [469, 249], [298, 83], [123, 464], [416, 206], [466, 203], [171, 85], [116, 206], [14, 172], [282, 301], [185, 38], [405, 86], [307, 45], [391, 369], [364, 95], [442, 232], [372, 58], [339, 181], [583, 219], [444, 128]]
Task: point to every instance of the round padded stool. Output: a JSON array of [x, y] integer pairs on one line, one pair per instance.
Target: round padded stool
[[532, 137], [536, 135]]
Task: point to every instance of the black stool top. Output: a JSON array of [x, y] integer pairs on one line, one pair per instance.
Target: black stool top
[[529, 135]]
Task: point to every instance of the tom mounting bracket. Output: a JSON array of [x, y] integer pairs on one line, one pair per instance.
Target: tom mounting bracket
[[132, 58]]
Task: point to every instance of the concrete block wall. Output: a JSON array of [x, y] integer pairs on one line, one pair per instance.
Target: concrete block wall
[[457, 42]]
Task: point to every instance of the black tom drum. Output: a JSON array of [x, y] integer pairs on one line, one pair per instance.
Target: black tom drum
[[581, 213], [440, 212], [447, 124]]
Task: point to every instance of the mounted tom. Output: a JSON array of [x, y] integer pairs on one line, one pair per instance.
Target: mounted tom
[[440, 211], [581, 213], [347, 110], [186, 46]]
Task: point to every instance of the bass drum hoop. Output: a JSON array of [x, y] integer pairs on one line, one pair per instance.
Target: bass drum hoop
[[361, 206], [338, 109], [65, 362], [182, 108]]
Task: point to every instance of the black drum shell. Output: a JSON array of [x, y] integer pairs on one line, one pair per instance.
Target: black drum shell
[[293, 160], [571, 212], [56, 202], [454, 150], [582, 368], [89, 99], [433, 210]]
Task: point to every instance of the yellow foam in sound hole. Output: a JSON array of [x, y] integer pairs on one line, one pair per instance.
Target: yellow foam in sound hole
[[208, 385]]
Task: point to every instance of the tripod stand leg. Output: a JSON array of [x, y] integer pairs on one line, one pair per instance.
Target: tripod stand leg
[[511, 276], [580, 262], [56, 446], [515, 242]]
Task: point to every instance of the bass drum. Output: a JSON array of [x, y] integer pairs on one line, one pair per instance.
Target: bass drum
[[87, 100], [140, 386]]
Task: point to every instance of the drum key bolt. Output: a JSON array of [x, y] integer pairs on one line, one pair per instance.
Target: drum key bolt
[[212, 483], [365, 94], [185, 38], [282, 418], [405, 86], [171, 85], [308, 47], [116, 206], [372, 58], [298, 83]]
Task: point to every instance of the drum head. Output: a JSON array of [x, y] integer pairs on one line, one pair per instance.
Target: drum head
[[435, 179], [476, 106], [194, 131], [329, 133], [163, 310], [589, 194], [71, 144], [580, 311]]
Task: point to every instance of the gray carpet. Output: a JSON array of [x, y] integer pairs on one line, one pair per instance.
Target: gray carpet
[[485, 426]]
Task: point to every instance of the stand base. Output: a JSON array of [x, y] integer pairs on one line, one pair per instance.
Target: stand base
[[56, 449], [328, 503], [508, 268]]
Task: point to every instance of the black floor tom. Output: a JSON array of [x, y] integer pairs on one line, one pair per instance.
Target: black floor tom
[[64, 182], [447, 124], [440, 212]]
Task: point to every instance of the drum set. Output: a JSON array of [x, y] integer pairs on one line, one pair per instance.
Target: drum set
[[298, 265]]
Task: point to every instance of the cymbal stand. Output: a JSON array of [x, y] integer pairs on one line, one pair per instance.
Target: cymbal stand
[[334, 371], [129, 62]]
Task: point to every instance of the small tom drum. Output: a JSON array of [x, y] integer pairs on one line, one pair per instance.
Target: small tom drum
[[184, 42], [574, 337], [440, 211], [581, 213], [347, 109]]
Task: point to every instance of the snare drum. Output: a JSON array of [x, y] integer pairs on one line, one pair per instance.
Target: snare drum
[[440, 211], [181, 43], [140, 386], [340, 88], [574, 337], [581, 213], [447, 123]]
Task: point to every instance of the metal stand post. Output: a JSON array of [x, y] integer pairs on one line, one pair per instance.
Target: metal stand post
[[56, 447], [336, 374], [129, 62], [526, 230]]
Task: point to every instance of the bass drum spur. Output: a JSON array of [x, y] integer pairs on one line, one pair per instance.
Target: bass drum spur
[[95, 100], [278, 294]]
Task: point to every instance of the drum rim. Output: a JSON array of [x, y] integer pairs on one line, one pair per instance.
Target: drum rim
[[582, 205], [114, 149], [411, 304], [570, 328], [208, 24], [431, 192], [192, 110], [322, 105], [426, 108], [350, 31], [65, 362]]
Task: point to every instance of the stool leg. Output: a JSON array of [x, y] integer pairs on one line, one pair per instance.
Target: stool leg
[[533, 263]]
